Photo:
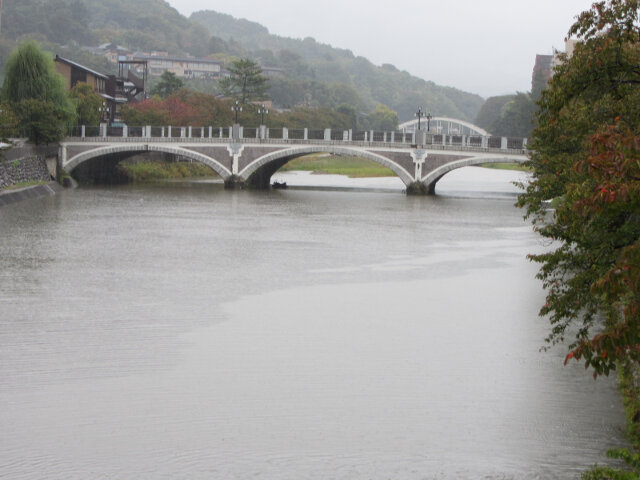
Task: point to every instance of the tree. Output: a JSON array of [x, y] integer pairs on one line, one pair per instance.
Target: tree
[[515, 117], [31, 82], [88, 104], [382, 118], [491, 110], [183, 108], [40, 120], [586, 153], [169, 84], [8, 121], [245, 82]]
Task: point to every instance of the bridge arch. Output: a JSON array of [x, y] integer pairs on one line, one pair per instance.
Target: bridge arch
[[473, 129], [432, 177], [83, 157], [279, 158]]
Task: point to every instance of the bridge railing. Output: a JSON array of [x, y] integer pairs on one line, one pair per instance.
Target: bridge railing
[[297, 135]]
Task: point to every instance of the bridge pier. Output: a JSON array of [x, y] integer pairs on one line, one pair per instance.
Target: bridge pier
[[420, 188], [233, 182]]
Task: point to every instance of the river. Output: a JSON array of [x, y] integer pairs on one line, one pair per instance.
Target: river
[[344, 332]]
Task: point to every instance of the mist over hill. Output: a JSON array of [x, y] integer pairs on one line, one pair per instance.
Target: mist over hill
[[307, 72], [305, 60]]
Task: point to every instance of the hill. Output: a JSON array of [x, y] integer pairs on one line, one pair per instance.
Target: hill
[[313, 74], [307, 61]]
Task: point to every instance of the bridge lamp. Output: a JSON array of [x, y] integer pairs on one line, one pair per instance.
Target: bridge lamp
[[104, 110], [236, 108], [419, 114], [262, 111], [428, 117]]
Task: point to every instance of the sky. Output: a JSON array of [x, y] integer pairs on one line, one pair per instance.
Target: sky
[[485, 47]]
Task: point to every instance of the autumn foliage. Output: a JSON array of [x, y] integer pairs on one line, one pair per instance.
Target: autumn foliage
[[586, 158], [183, 108]]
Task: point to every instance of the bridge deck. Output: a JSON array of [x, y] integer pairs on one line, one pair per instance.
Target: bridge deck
[[252, 155]]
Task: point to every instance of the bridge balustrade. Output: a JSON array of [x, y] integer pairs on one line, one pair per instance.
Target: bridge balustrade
[[474, 141], [315, 135], [276, 132], [338, 135], [115, 131], [494, 142], [251, 133], [359, 136], [378, 136], [257, 134], [135, 132], [397, 136], [157, 132], [296, 134], [515, 143]]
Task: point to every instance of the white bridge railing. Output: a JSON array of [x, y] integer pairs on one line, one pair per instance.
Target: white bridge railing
[[263, 134]]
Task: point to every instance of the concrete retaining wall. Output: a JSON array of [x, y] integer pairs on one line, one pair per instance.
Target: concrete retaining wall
[[25, 164], [12, 196]]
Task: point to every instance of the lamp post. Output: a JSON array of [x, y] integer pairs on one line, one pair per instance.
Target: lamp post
[[262, 111], [104, 110], [236, 108], [428, 117], [419, 114]]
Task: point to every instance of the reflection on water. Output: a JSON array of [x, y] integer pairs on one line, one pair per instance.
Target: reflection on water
[[191, 332]]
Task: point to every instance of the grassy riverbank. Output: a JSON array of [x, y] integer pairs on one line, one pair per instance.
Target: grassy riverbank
[[354, 167], [321, 163], [150, 171]]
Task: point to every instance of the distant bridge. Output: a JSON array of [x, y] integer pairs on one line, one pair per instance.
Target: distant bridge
[[250, 156], [446, 126]]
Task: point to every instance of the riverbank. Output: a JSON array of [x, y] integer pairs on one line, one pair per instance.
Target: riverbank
[[352, 167], [27, 163], [18, 194], [153, 170]]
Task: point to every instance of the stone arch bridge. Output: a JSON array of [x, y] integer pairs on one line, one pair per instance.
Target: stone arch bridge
[[250, 156]]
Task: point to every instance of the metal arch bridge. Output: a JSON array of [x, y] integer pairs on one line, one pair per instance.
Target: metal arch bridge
[[447, 126], [250, 156]]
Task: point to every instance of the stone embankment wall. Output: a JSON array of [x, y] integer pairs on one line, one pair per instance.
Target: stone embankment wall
[[25, 164]]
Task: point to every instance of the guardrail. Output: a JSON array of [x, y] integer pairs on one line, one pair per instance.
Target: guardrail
[[295, 135]]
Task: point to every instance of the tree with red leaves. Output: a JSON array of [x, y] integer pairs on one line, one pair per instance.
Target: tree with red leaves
[[587, 159]]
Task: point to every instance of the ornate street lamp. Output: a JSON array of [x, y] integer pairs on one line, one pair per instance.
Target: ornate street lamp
[[428, 117], [236, 108], [419, 114], [263, 111], [104, 110]]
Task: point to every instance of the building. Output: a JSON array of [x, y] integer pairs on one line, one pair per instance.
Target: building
[[569, 46], [183, 67], [73, 73], [115, 90], [542, 70]]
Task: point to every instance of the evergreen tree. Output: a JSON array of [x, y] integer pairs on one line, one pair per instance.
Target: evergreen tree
[[246, 82], [169, 84]]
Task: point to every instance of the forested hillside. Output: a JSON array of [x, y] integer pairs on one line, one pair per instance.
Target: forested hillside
[[307, 61], [314, 74]]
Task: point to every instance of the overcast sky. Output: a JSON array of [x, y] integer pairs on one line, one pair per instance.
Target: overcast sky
[[486, 47]]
